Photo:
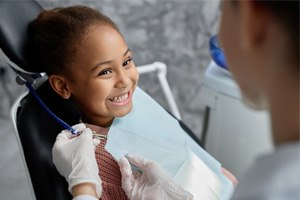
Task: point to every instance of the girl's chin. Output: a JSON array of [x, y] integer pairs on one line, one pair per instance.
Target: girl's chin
[[124, 111]]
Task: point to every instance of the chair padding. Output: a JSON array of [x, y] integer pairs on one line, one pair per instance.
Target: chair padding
[[37, 132], [14, 19]]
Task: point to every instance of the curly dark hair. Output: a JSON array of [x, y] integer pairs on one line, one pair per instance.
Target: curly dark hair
[[54, 34]]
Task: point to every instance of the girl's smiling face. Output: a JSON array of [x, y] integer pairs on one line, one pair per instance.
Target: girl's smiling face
[[102, 77]]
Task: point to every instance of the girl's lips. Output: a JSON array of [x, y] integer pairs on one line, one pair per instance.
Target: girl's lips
[[121, 100]]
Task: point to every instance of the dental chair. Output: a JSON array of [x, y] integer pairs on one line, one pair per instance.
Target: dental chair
[[36, 130]]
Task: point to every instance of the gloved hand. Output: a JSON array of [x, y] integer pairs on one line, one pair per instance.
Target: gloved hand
[[74, 158], [151, 183]]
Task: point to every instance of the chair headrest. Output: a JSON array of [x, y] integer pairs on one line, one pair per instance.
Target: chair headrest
[[14, 19]]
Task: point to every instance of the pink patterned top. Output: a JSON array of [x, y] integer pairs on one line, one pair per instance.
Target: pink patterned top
[[109, 170]]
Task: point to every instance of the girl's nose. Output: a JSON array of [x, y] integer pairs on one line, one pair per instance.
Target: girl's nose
[[123, 80]]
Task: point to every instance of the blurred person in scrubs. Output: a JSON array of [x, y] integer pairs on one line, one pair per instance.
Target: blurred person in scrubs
[[261, 43]]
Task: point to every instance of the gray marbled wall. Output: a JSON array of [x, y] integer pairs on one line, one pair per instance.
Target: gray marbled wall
[[171, 31]]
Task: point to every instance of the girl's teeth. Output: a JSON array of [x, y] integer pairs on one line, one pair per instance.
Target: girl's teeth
[[120, 98]]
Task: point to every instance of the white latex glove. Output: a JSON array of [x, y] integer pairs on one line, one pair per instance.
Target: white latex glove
[[74, 158], [151, 183]]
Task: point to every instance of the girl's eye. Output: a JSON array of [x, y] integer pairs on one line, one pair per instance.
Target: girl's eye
[[127, 62], [105, 72]]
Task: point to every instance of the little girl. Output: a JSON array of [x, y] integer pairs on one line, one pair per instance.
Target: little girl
[[88, 62]]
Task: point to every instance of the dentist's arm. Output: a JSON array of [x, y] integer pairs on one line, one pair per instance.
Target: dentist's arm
[[74, 158], [152, 184]]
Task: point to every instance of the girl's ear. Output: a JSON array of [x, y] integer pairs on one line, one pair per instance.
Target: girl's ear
[[60, 86]]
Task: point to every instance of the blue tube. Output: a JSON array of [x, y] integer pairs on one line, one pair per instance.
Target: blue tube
[[60, 121]]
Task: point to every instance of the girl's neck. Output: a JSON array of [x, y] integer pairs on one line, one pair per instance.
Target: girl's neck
[[103, 122]]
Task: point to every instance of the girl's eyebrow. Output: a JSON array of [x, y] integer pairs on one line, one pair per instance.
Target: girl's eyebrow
[[126, 52], [109, 61]]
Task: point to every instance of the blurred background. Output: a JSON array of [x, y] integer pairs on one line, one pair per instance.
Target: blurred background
[[175, 32]]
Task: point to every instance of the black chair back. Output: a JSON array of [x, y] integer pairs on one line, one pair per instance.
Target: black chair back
[[37, 131], [14, 18]]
